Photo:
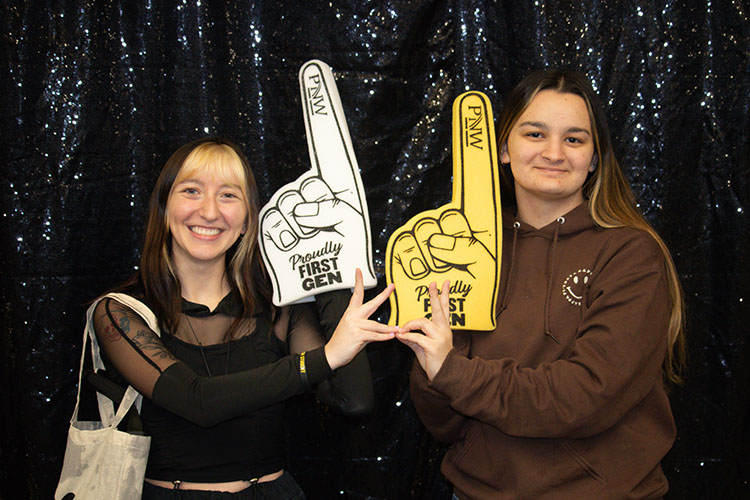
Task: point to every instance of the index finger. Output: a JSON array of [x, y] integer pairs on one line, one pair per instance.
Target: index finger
[[439, 303], [476, 188], [358, 293], [328, 140]]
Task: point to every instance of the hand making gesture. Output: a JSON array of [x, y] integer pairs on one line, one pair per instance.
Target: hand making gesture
[[432, 345], [355, 330]]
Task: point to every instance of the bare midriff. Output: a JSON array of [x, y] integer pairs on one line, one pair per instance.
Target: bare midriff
[[230, 486]]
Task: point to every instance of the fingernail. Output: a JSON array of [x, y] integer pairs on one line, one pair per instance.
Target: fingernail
[[442, 241], [417, 267], [287, 238]]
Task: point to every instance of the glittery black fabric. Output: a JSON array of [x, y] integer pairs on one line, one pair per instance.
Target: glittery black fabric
[[96, 95]]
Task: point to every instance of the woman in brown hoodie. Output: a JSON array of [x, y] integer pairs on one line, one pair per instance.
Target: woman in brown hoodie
[[566, 398]]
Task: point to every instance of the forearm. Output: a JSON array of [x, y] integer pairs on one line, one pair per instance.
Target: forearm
[[206, 401], [434, 409], [349, 391], [567, 398]]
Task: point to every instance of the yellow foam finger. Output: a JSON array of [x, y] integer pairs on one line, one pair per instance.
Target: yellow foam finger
[[465, 233]]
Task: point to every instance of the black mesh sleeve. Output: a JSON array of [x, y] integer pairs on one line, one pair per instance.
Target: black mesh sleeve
[[144, 362], [350, 390], [207, 401]]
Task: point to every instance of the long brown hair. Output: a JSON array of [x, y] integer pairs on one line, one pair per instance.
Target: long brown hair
[[611, 200], [156, 278]]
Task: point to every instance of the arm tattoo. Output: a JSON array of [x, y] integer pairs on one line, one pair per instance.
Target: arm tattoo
[[125, 323], [147, 342], [110, 331]]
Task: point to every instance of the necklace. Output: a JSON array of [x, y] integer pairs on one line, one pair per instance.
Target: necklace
[[203, 354]]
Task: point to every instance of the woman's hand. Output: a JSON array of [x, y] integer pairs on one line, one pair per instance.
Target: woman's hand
[[436, 340], [355, 330]]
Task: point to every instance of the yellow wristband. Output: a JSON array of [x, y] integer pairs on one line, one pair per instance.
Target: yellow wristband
[[302, 368]]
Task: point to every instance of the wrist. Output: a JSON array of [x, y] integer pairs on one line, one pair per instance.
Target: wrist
[[331, 358], [303, 370], [437, 366]]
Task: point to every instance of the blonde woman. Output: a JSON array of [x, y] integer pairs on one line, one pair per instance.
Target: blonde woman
[[216, 380]]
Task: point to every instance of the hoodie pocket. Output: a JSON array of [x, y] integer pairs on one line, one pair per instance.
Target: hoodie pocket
[[472, 434], [583, 463]]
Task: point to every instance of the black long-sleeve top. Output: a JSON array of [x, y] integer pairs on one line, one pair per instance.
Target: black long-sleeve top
[[213, 408]]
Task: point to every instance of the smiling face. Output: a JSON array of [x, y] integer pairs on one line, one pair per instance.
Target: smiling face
[[550, 150], [206, 211]]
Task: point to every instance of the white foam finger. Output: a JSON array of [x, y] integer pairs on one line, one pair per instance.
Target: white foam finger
[[286, 204], [276, 229], [329, 143], [315, 189]]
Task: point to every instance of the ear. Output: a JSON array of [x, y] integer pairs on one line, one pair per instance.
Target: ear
[[594, 162], [504, 156]]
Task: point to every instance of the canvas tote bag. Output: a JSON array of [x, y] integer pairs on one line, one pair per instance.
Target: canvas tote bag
[[102, 462]]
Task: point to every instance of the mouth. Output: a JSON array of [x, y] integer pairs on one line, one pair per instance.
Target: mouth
[[204, 231], [552, 171]]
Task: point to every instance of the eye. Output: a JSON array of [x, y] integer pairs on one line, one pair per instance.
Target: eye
[[190, 190], [576, 140], [534, 135], [230, 196]]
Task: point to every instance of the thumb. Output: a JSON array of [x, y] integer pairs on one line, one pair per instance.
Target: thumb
[[457, 250], [324, 214]]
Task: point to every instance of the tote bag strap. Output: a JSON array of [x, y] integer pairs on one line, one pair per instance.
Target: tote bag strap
[[106, 408]]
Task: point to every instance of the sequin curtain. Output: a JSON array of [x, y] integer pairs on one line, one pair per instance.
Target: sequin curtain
[[97, 94]]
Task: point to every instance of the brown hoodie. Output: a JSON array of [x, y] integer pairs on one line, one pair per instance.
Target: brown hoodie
[[564, 400]]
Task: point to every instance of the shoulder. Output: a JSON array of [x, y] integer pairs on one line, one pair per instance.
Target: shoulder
[[116, 307], [631, 243], [109, 303], [627, 257]]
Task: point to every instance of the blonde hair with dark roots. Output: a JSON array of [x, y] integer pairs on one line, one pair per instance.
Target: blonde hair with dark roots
[[610, 198], [245, 272]]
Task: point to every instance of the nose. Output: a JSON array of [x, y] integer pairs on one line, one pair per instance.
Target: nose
[[552, 152], [209, 208]]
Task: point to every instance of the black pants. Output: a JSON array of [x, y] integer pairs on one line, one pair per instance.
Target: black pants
[[283, 488]]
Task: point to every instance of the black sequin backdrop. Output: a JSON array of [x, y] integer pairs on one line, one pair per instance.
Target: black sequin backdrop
[[97, 94]]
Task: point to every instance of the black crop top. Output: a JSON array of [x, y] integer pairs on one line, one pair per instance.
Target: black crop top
[[227, 426]]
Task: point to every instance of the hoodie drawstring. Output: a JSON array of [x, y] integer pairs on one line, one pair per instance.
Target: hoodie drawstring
[[550, 272], [504, 304]]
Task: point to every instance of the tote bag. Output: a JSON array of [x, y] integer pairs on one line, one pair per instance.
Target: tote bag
[[102, 462]]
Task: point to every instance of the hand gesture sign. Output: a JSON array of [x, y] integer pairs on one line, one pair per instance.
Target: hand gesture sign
[[315, 231], [355, 329], [460, 241]]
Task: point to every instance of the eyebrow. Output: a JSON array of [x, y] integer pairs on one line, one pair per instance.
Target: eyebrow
[[544, 126], [201, 183]]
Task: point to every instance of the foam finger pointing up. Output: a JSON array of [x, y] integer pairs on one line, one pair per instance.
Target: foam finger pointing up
[[329, 143]]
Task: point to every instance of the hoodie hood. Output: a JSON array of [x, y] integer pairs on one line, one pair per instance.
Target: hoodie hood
[[577, 220]]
